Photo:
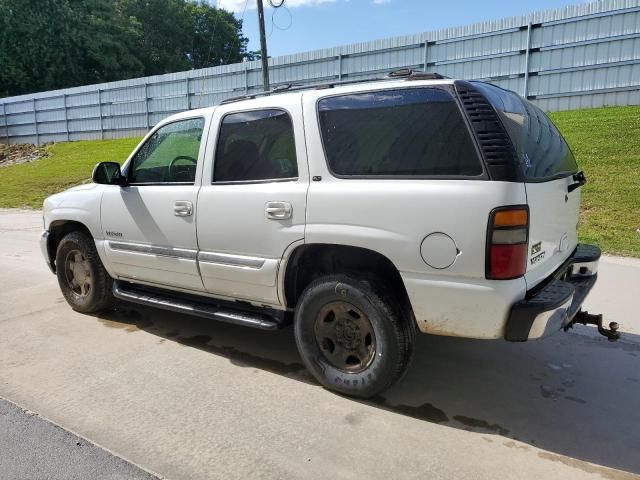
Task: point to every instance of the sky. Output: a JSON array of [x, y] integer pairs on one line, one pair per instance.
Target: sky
[[303, 25]]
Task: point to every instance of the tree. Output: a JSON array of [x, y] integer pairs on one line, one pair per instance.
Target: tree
[[178, 35], [161, 47], [110, 41], [37, 51], [49, 44], [216, 36]]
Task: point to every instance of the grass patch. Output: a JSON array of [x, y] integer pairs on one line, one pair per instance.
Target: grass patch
[[68, 164], [606, 142]]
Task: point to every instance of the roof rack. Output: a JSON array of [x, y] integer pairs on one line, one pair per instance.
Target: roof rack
[[287, 87], [412, 75], [405, 73]]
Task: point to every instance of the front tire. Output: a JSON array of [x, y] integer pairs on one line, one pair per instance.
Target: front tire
[[84, 282], [351, 337]]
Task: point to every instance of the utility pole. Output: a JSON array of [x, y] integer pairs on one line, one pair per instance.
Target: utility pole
[[263, 47]]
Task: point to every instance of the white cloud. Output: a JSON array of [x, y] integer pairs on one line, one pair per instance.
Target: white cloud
[[238, 5], [301, 3]]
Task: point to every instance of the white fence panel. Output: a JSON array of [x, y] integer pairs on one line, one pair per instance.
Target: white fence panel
[[579, 56]]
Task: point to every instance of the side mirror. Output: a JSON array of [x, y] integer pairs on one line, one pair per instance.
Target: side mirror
[[108, 173]]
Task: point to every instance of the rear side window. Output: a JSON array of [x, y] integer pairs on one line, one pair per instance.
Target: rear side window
[[256, 145], [402, 133], [543, 152]]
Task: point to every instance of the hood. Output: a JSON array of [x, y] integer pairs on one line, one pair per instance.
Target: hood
[[84, 186], [57, 199]]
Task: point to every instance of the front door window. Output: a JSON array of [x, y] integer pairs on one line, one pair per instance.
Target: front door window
[[170, 155]]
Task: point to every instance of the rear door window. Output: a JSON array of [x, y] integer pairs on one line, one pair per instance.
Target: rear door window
[[409, 132], [254, 146], [542, 150]]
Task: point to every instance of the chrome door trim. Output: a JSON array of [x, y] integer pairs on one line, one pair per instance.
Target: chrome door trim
[[154, 250], [231, 260]]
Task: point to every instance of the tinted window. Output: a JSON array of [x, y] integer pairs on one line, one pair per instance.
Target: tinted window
[[256, 145], [417, 131], [540, 146], [170, 155]]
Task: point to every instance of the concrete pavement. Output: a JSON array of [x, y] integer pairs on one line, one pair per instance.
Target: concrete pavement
[[193, 399]]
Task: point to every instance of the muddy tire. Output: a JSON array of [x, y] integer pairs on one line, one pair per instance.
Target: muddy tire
[[351, 336], [84, 282]]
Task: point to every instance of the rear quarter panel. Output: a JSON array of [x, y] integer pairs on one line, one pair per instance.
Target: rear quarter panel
[[393, 217]]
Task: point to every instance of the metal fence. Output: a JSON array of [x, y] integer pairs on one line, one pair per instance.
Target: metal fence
[[575, 57]]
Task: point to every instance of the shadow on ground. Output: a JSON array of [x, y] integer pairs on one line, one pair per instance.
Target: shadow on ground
[[574, 394]]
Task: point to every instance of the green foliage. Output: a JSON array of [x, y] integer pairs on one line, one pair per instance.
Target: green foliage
[[49, 44], [207, 23], [179, 34]]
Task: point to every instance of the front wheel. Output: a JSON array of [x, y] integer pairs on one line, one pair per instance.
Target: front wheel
[[84, 282], [351, 338]]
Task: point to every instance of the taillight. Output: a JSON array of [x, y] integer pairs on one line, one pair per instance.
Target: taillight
[[507, 239]]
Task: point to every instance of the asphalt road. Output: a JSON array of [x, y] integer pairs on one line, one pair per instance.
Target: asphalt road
[[192, 399], [32, 448]]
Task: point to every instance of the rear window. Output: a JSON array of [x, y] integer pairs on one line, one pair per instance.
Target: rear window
[[543, 152], [401, 133]]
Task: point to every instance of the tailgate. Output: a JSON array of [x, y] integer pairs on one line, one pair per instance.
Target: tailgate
[[553, 219], [551, 180]]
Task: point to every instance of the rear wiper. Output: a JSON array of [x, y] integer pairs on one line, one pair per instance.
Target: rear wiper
[[579, 180]]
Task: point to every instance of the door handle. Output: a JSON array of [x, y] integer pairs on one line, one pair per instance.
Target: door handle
[[278, 210], [182, 208]]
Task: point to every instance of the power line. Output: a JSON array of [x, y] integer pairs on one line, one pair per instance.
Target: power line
[[213, 32], [274, 24], [235, 39]]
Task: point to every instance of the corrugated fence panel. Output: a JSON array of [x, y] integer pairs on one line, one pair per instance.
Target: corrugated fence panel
[[579, 56]]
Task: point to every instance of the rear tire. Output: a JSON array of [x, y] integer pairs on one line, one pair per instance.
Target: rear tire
[[351, 337], [84, 282]]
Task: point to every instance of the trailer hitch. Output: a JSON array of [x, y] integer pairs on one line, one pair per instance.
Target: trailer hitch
[[586, 318]]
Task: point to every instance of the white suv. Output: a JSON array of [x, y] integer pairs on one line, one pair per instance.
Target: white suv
[[362, 212]]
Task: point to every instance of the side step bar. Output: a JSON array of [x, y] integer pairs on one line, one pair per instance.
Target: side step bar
[[198, 306]]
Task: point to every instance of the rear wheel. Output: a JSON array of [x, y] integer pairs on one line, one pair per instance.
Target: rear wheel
[[84, 282], [351, 337]]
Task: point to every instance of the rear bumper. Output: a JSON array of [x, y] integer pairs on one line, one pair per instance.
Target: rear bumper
[[551, 306]]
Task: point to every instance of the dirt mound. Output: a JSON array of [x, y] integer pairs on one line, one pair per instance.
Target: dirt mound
[[14, 154]]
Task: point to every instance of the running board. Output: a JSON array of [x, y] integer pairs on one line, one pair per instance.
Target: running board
[[200, 307]]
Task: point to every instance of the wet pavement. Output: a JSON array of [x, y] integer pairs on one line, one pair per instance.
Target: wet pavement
[[190, 398]]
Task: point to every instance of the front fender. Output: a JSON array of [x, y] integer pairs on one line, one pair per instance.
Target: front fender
[[76, 205]]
